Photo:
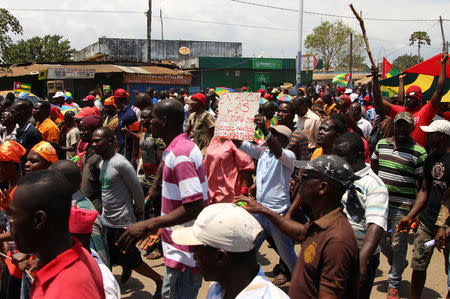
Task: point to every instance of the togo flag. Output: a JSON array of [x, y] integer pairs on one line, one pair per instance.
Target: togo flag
[[341, 79], [20, 87]]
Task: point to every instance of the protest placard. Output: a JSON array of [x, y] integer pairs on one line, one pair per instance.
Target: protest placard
[[237, 111]]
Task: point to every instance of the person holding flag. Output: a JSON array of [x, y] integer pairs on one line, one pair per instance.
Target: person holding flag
[[423, 114]]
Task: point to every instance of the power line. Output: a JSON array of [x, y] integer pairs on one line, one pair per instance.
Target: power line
[[336, 16], [140, 12]]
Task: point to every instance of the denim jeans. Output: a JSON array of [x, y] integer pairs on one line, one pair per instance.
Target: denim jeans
[[177, 284], [284, 245], [395, 250]]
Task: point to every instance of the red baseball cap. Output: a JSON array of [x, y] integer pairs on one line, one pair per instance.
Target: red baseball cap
[[199, 97], [415, 92], [121, 93], [89, 98], [244, 88]]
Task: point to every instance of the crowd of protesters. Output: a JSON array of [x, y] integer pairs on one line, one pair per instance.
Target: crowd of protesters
[[341, 171]]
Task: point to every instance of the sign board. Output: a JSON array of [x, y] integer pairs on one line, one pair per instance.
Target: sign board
[[157, 79], [237, 111], [267, 64], [237, 73], [309, 62], [42, 75], [184, 50], [261, 80], [70, 73]]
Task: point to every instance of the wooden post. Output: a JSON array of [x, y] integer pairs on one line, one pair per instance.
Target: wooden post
[[444, 44]]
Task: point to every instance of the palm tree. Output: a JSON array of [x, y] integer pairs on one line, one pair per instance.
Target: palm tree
[[421, 38]]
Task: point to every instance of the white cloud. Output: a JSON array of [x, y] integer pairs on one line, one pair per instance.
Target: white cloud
[[83, 29]]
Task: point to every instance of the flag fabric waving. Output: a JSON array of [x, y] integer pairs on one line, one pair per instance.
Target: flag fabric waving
[[388, 70], [341, 79], [21, 87], [425, 75]]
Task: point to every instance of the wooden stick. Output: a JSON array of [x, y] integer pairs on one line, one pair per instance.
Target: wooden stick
[[26, 271], [366, 41], [444, 45]]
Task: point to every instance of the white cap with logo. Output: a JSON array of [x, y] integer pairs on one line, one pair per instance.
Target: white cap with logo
[[59, 94], [442, 126], [223, 226]]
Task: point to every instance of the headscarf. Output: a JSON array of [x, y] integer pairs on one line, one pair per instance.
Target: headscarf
[[11, 151], [46, 151]]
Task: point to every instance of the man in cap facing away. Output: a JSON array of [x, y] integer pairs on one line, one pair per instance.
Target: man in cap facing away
[[225, 235], [328, 264]]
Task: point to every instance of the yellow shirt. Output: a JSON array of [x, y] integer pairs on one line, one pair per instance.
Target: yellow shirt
[[317, 153], [49, 130]]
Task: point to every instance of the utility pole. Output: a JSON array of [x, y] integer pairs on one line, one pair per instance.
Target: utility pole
[[162, 35], [349, 84], [149, 31], [298, 77]]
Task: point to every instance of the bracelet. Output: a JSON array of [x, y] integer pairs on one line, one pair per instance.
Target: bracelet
[[268, 136], [244, 190]]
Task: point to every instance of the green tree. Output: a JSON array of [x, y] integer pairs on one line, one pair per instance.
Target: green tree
[[47, 49], [419, 38], [406, 61], [331, 42], [8, 24]]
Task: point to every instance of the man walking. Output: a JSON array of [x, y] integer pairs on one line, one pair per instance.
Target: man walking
[[123, 204], [399, 162], [184, 194]]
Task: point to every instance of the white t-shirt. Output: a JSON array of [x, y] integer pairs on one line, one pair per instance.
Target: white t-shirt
[[365, 127], [112, 289], [260, 287]]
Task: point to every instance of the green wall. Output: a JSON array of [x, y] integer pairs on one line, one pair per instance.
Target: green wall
[[234, 72]]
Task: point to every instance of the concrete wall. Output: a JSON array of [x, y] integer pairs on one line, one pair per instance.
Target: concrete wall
[[136, 49]]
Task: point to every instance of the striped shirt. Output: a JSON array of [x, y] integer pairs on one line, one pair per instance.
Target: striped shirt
[[259, 288], [399, 168], [184, 181], [374, 198], [299, 145]]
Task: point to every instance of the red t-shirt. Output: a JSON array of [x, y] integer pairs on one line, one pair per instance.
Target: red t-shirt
[[71, 275], [423, 116]]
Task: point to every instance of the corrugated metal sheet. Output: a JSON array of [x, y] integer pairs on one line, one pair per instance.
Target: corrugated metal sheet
[[34, 69]]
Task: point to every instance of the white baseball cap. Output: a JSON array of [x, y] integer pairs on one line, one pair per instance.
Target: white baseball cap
[[348, 91], [224, 226], [59, 94], [353, 97], [442, 126]]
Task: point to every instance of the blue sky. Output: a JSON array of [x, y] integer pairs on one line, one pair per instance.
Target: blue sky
[[388, 39]]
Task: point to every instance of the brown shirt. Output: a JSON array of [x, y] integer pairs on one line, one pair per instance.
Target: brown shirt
[[200, 129], [328, 261]]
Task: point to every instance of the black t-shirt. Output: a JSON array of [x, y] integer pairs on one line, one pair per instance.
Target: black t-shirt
[[437, 173]]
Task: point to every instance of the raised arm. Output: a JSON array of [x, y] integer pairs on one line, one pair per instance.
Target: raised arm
[[401, 89], [439, 92], [380, 104], [274, 146]]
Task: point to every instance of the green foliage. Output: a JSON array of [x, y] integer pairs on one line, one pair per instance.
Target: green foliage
[[331, 42], [48, 49], [406, 61], [8, 24]]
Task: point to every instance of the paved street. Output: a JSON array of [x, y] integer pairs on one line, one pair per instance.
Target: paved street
[[435, 286]]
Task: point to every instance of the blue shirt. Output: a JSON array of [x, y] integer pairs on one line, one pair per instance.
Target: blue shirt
[[272, 176], [28, 136], [126, 117]]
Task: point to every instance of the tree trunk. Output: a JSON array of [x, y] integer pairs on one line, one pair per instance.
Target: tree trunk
[[418, 51]]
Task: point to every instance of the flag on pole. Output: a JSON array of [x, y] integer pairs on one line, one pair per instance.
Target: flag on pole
[[388, 70], [21, 87], [341, 79]]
